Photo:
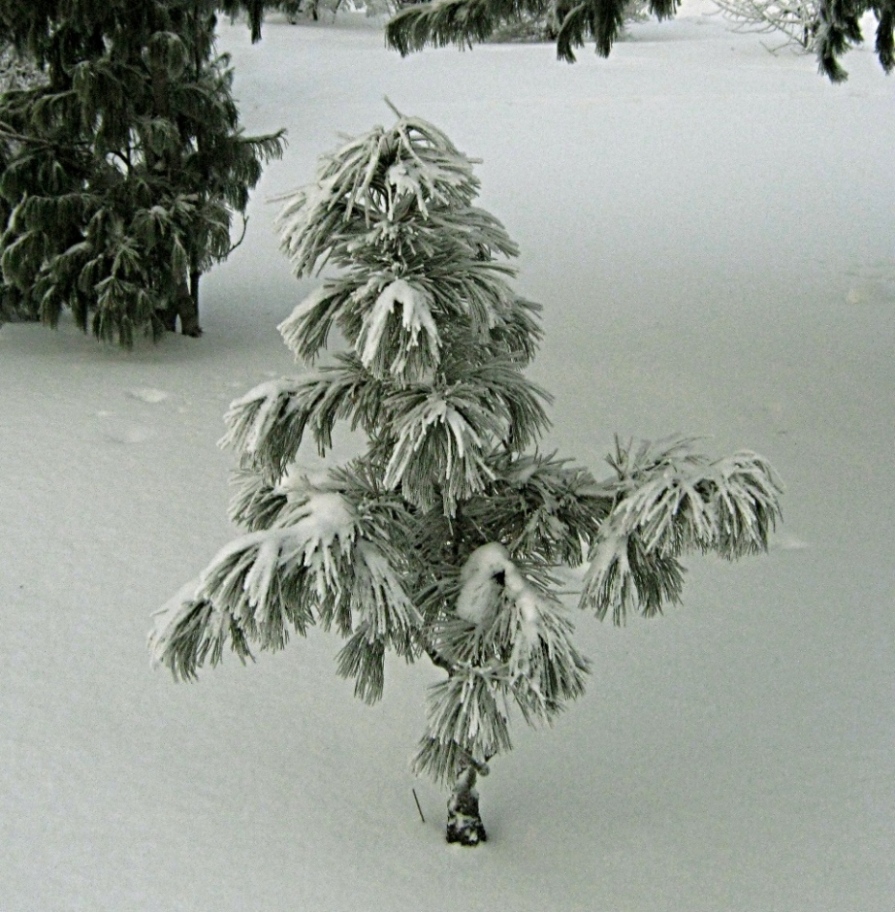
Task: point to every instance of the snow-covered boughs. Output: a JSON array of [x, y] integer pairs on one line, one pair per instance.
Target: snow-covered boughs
[[265, 423], [369, 192], [122, 162], [435, 438], [508, 643], [394, 208], [467, 719], [670, 501], [442, 537], [542, 507], [187, 632], [412, 360], [507, 618], [316, 563], [441, 434]]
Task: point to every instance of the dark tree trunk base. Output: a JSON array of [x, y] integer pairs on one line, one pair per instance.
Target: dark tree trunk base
[[464, 824], [188, 311], [185, 307]]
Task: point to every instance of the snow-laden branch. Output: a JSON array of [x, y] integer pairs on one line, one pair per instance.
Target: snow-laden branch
[[267, 425], [389, 342], [397, 326], [503, 616], [444, 434], [467, 718], [669, 501], [316, 567], [542, 507], [507, 642]]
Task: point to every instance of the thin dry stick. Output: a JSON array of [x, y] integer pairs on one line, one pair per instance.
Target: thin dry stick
[[418, 805]]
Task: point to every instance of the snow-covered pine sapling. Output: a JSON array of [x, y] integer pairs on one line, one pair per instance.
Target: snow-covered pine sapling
[[441, 538]]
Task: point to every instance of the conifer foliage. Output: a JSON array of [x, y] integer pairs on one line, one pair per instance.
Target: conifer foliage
[[467, 22], [442, 538], [123, 166]]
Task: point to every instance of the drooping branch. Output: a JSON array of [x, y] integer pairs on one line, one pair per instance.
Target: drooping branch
[[468, 22], [670, 501]]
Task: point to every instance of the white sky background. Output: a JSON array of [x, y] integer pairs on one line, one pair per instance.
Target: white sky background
[[711, 229]]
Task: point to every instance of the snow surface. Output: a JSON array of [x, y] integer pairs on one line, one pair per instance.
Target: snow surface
[[710, 228]]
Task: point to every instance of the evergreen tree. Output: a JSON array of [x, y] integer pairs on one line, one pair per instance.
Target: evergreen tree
[[468, 22], [443, 537], [123, 167]]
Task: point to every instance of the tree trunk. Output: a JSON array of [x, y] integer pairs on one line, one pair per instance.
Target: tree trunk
[[195, 275], [188, 311], [185, 307], [464, 824]]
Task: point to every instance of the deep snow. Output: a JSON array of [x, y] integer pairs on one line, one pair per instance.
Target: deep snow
[[710, 229]]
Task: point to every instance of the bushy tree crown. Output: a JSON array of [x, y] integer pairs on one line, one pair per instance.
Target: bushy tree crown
[[123, 166]]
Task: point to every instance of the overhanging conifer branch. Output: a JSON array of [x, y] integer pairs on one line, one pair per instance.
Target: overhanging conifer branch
[[468, 22]]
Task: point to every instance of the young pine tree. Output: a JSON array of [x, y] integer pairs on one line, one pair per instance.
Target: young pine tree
[[441, 538], [123, 165]]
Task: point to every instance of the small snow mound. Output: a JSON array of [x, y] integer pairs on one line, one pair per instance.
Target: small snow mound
[[870, 292], [127, 433], [148, 394], [788, 543], [480, 589]]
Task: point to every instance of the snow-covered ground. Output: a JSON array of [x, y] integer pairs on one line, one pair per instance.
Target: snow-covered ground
[[712, 231]]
